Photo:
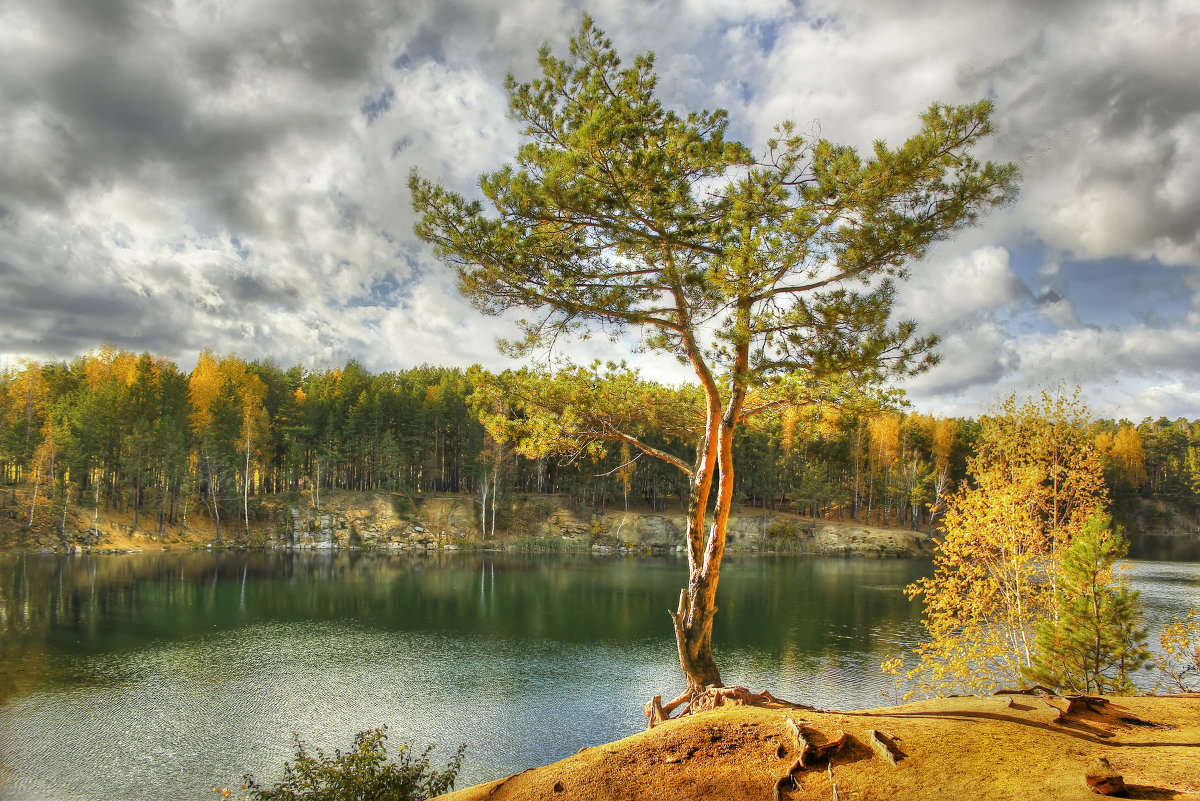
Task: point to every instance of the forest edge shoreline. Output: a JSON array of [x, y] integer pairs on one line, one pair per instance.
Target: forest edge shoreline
[[375, 521]]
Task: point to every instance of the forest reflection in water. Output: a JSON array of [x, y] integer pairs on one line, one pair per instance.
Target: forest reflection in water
[[161, 675]]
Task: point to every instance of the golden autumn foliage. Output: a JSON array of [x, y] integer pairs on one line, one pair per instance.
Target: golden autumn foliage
[[1130, 455], [1036, 479], [203, 387], [884, 431], [1124, 455], [945, 432], [110, 364], [1180, 658]]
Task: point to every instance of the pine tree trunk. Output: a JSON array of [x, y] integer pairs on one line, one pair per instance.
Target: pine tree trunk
[[697, 602]]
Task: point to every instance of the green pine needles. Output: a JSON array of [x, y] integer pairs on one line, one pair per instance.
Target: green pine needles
[[1093, 644], [771, 274]]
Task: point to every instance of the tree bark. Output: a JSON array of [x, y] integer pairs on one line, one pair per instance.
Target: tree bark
[[693, 618]]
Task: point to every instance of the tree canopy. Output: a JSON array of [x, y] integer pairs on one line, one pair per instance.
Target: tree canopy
[[757, 270], [1035, 482], [619, 212]]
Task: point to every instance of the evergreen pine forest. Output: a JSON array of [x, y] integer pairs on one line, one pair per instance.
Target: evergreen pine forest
[[135, 433]]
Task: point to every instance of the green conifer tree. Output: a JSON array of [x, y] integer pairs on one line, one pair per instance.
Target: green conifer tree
[[1094, 643]]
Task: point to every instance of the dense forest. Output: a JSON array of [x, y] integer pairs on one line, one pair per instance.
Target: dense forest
[[115, 429]]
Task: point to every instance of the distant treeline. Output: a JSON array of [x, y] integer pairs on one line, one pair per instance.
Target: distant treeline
[[120, 430]]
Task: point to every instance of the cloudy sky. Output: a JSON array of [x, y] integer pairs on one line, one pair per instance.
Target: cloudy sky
[[230, 174]]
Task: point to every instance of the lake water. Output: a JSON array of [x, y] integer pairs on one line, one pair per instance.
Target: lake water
[[152, 676]]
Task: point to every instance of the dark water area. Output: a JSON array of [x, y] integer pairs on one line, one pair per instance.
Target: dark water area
[[150, 676], [1165, 548]]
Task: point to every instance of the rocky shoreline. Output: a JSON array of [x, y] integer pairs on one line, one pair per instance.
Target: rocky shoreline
[[451, 523], [384, 522]]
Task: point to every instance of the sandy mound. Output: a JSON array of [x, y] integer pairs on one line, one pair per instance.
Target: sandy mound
[[1003, 747]]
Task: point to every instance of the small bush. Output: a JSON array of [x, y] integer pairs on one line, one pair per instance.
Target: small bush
[[788, 531], [402, 504], [545, 545], [364, 773], [527, 516]]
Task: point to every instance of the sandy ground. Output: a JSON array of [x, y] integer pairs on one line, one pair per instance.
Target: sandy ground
[[1001, 747]]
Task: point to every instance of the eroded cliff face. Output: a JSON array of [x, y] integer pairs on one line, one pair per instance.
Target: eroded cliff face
[[369, 520], [444, 522]]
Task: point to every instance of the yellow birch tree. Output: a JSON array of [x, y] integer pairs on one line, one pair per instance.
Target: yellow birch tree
[[1035, 480]]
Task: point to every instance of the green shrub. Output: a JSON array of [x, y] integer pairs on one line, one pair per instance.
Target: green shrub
[[1180, 659], [545, 545], [788, 530], [1093, 644], [402, 504], [364, 773]]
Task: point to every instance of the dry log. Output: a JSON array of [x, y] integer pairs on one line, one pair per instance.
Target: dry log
[[803, 746], [830, 748], [788, 780], [1080, 703], [657, 711], [1077, 704], [883, 745], [654, 711]]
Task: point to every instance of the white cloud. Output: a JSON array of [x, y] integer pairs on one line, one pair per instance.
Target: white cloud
[[949, 292], [1172, 400], [232, 175], [982, 355]]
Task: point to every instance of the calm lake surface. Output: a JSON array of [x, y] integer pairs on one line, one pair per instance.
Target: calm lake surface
[[153, 676]]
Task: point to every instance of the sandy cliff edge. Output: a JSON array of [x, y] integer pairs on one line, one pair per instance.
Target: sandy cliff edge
[[1001, 747]]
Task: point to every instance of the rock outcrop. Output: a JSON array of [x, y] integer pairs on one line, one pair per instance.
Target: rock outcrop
[[381, 521]]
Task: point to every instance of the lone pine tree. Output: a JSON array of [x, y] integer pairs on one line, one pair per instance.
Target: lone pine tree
[[761, 272]]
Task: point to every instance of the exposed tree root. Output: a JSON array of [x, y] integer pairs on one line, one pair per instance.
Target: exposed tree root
[[807, 753], [1077, 704], [1037, 689], [832, 783], [692, 701]]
